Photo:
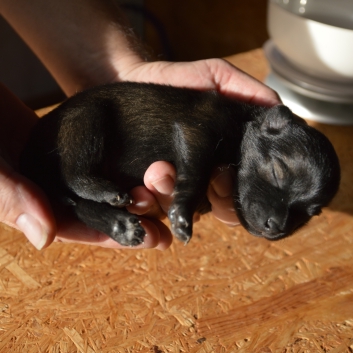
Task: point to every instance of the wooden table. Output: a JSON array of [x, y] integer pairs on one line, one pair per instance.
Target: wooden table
[[227, 291]]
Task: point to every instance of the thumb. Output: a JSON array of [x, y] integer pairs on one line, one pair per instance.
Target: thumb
[[24, 206]]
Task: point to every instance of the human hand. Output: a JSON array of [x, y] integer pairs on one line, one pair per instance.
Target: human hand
[[22, 204], [212, 74], [209, 74]]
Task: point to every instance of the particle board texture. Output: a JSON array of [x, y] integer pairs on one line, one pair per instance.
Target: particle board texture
[[226, 291]]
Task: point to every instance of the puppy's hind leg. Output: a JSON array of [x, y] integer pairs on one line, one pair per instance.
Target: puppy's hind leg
[[82, 142], [120, 225], [188, 194], [194, 164]]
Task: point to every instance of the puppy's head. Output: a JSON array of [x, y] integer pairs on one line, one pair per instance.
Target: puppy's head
[[288, 172]]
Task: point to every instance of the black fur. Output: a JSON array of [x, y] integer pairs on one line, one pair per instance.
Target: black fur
[[97, 145]]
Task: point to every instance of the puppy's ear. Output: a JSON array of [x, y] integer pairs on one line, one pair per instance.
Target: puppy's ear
[[276, 119]]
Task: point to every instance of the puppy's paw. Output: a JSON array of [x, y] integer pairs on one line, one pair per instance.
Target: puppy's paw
[[118, 223], [120, 199], [181, 223], [127, 230]]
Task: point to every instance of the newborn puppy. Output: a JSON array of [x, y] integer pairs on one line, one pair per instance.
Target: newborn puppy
[[97, 145]]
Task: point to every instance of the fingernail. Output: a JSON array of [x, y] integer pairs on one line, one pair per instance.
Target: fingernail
[[33, 230], [223, 184], [164, 186], [142, 204], [229, 224]]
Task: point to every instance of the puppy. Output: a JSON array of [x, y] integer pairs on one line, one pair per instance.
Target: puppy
[[97, 145]]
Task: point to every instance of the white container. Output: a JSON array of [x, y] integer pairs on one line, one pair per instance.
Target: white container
[[319, 49]]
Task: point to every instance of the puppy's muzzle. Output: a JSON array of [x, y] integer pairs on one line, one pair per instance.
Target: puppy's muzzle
[[268, 221]]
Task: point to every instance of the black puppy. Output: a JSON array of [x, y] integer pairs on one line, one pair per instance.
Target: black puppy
[[97, 145]]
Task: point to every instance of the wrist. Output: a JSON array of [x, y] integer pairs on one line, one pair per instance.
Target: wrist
[[119, 57]]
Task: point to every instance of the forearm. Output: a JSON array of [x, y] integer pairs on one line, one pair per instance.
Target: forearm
[[81, 42]]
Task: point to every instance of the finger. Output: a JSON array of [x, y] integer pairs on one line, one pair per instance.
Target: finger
[[159, 179], [145, 203], [158, 235], [165, 236], [209, 74], [234, 82], [220, 195], [25, 207]]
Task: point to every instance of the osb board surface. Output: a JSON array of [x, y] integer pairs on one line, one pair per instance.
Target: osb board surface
[[227, 291]]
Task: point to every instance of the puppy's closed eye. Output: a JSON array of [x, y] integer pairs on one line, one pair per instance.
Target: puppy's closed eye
[[278, 176], [273, 172]]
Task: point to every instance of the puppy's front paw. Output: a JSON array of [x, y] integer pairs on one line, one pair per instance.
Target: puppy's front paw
[[180, 223], [127, 230], [120, 199]]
